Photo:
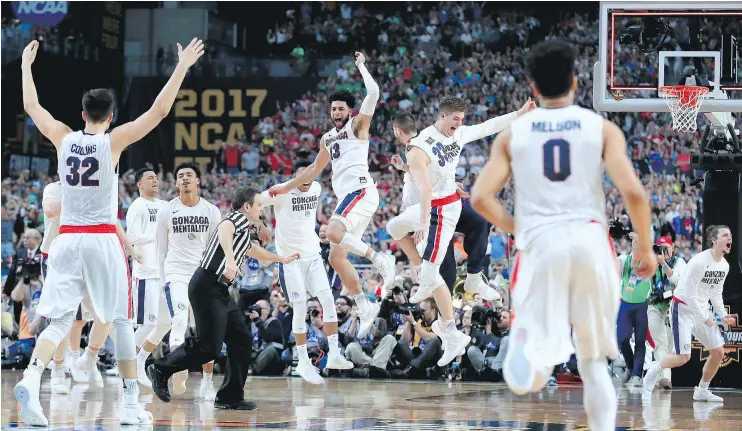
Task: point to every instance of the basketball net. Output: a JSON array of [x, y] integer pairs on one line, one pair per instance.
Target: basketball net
[[685, 103]]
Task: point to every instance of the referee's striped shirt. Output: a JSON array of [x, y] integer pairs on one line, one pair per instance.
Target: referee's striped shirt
[[213, 259]]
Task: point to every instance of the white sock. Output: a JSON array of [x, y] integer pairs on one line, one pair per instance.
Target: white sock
[[449, 326], [599, 395], [38, 365], [74, 354], [92, 356], [143, 355], [332, 340], [207, 376], [303, 355], [704, 385], [361, 302], [131, 390], [355, 245]]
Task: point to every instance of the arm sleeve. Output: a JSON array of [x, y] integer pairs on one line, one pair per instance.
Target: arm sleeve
[[161, 241], [678, 271], [214, 220], [693, 275], [268, 200], [372, 89], [134, 230], [717, 300], [488, 128]]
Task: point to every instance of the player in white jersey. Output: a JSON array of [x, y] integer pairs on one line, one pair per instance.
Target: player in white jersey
[[141, 228], [346, 146], [424, 230], [703, 282], [296, 217], [565, 276], [87, 260], [184, 226]]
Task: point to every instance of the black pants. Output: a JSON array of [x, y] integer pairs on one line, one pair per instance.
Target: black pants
[[476, 231], [218, 320], [426, 358]]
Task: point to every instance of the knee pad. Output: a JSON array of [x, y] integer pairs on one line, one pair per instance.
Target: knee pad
[[179, 327], [329, 315], [140, 335], [58, 329], [299, 322], [124, 345]]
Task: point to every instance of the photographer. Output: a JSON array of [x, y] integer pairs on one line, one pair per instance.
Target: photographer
[[670, 270], [374, 350], [392, 307], [24, 282], [489, 342], [268, 342], [419, 348]]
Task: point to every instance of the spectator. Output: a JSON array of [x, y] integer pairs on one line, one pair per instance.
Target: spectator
[[419, 348], [488, 354], [268, 341]]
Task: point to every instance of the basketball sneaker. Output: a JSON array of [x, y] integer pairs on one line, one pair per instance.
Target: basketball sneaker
[[650, 379], [385, 265], [338, 362], [27, 394], [133, 413], [179, 382], [59, 381], [704, 394], [421, 294], [206, 391], [142, 375], [477, 283], [518, 371], [438, 330], [367, 319], [309, 373], [455, 341]]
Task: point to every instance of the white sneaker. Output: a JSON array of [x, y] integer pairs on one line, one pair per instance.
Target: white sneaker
[[438, 330], [367, 319], [134, 414], [206, 391], [27, 393], [415, 275], [309, 373], [421, 294], [59, 381], [82, 368], [98, 381], [337, 362], [70, 360], [517, 370], [179, 380], [476, 283], [142, 375], [650, 379], [703, 394], [113, 372], [455, 342], [385, 265]]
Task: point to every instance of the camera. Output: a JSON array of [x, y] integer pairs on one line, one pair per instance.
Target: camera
[[658, 249], [30, 270], [409, 308], [314, 313], [480, 316], [618, 230]]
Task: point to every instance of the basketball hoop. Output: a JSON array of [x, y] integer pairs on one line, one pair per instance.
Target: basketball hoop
[[685, 103]]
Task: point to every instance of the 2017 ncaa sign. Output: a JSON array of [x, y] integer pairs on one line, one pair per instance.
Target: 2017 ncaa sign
[[44, 13]]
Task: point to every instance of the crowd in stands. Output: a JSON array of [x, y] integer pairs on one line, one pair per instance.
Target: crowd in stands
[[417, 55], [65, 39]]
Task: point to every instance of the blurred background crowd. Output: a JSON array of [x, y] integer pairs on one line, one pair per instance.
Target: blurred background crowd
[[418, 53]]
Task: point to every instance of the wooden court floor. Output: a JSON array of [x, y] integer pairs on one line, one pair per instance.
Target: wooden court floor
[[344, 404]]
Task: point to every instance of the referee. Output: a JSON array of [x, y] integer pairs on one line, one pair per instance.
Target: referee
[[218, 318]]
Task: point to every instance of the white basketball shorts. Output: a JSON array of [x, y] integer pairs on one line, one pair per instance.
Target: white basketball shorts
[[174, 299], [87, 261], [356, 209], [146, 295], [301, 276], [83, 310], [684, 325], [566, 282]]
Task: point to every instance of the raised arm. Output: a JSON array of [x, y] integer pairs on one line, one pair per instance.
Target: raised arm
[[134, 225], [492, 126], [490, 182], [127, 134], [54, 130], [307, 175], [362, 122]]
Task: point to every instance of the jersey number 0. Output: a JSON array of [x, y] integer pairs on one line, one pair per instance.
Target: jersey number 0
[[556, 160]]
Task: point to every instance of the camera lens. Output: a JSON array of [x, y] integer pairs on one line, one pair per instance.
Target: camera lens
[[314, 312]]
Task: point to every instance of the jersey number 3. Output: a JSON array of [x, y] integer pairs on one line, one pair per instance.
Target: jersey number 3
[[75, 177], [556, 160], [335, 151]]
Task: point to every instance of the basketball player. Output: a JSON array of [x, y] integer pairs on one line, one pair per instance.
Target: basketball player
[[184, 226], [141, 225], [296, 217], [87, 259], [566, 271], [703, 282], [346, 146], [432, 157]]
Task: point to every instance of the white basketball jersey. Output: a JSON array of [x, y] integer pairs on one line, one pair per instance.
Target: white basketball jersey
[[443, 152], [349, 159], [296, 218], [187, 231], [51, 224], [89, 180], [410, 192], [557, 166], [141, 228], [703, 282]]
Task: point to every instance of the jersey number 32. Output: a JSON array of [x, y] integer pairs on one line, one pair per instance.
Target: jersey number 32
[[81, 171], [556, 160]]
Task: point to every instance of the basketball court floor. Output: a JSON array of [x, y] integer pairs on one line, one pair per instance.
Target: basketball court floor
[[353, 404]]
